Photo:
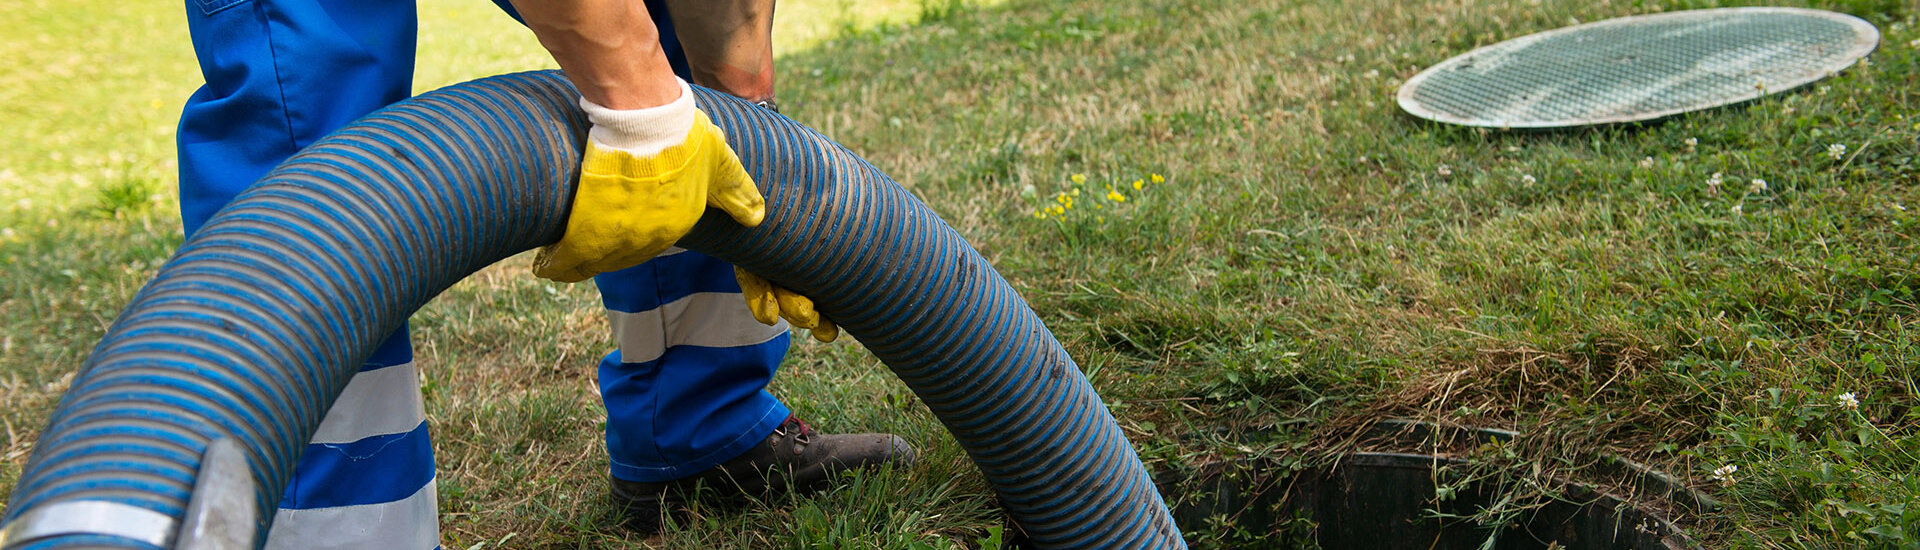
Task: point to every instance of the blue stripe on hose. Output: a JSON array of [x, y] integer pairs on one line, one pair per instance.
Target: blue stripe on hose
[[1011, 420], [162, 341], [173, 325], [188, 378], [417, 200], [307, 272], [315, 265], [948, 389], [187, 303], [1042, 494], [1081, 527], [174, 308], [370, 208], [952, 391], [86, 541], [1014, 467], [119, 486]]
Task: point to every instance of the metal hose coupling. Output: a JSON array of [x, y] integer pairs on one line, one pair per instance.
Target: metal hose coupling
[[256, 324], [220, 516]]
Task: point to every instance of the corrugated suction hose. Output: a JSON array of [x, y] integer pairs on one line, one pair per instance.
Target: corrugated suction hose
[[254, 327]]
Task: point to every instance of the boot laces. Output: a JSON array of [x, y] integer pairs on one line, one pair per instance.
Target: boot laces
[[798, 429]]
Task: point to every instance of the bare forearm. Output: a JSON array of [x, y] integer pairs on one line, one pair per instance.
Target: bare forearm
[[608, 48], [729, 44]]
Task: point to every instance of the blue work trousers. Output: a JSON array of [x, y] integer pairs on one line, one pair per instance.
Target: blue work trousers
[[684, 391]]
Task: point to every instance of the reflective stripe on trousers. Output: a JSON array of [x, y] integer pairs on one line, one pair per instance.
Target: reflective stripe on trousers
[[280, 74]]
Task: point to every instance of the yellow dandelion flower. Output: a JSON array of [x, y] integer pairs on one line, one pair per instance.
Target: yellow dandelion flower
[[1057, 211], [1062, 198], [1076, 191], [1115, 196], [1079, 178], [1137, 184], [1157, 179], [1039, 214]]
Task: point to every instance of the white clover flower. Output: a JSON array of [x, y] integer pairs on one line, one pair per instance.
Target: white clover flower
[[1444, 170], [1737, 209], [1646, 163], [1757, 186], [1713, 183], [1527, 179], [1724, 474], [1692, 144], [1836, 150], [1846, 401]]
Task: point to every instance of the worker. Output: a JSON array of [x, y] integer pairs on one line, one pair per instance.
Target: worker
[[685, 389]]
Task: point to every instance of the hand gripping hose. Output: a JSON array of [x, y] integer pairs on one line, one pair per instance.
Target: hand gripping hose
[[185, 423]]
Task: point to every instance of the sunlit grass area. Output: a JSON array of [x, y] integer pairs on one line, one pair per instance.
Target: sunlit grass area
[[1215, 206]]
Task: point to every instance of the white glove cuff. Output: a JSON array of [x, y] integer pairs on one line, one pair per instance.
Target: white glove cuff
[[642, 132]]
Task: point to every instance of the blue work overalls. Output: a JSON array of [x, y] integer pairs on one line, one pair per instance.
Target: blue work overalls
[[684, 391]]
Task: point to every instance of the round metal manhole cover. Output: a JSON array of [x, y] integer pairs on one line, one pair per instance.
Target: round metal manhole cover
[[1638, 68]]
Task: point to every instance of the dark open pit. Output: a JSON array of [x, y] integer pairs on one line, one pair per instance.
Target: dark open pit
[[1402, 488], [1391, 500]]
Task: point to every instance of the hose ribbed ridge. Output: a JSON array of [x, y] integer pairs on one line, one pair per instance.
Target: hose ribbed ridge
[[255, 326]]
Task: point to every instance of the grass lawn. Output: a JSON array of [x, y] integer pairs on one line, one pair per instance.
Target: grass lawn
[[1293, 258]]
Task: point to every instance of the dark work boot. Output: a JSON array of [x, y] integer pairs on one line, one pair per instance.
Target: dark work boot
[[793, 456]]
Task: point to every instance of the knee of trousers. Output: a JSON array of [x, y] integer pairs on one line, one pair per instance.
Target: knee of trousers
[[281, 74]]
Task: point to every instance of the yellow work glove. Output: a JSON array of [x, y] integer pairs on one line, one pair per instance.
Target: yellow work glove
[[647, 177], [770, 303]]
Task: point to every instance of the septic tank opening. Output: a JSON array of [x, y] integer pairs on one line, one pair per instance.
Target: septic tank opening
[[1380, 500]]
